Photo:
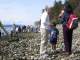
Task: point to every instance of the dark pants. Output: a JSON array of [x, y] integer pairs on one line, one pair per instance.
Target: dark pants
[[0, 34], [67, 38]]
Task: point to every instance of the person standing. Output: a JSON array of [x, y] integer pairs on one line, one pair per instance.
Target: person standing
[[44, 33], [54, 32], [0, 33], [67, 33]]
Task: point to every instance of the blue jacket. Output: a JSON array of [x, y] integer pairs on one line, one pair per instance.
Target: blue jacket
[[64, 18]]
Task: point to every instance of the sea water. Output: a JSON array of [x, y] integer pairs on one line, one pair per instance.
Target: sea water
[[8, 29]]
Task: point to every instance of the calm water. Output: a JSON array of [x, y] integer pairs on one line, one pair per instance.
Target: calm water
[[8, 28]]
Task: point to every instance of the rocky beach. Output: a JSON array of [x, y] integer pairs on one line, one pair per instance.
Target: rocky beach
[[26, 46]]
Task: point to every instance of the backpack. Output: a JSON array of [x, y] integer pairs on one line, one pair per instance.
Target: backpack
[[72, 22], [53, 35]]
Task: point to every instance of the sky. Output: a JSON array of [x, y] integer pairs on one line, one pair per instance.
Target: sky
[[22, 11]]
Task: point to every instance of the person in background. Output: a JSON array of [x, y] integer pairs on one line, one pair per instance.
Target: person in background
[[0, 33], [19, 29], [44, 33]]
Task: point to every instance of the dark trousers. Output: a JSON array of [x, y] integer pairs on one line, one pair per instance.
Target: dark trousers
[[67, 38], [0, 34]]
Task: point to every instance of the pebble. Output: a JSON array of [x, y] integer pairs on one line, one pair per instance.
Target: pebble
[[62, 59]]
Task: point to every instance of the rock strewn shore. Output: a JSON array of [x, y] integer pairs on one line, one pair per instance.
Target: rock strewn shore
[[28, 45]]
